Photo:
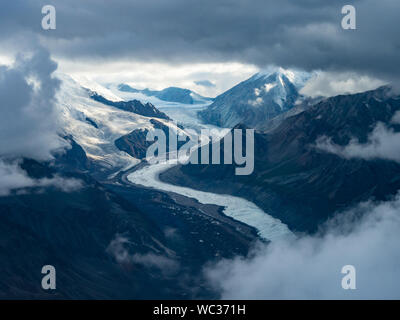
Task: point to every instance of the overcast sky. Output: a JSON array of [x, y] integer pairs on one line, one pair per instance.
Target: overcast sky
[[184, 42]]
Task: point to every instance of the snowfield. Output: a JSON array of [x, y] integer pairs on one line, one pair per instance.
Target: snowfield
[[77, 107]]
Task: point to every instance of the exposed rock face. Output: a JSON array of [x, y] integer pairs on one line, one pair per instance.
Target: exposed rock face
[[136, 145], [135, 106]]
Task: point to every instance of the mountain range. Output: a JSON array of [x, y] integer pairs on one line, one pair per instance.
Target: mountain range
[[111, 238], [296, 181], [170, 94], [135, 106], [107, 239]]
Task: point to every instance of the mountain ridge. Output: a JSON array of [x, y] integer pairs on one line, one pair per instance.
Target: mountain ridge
[[256, 100], [135, 106], [170, 94]]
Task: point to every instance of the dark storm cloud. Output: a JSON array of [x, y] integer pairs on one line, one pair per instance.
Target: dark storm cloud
[[303, 33]]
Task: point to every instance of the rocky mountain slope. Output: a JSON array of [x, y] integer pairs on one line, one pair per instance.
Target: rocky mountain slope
[[298, 182], [106, 238]]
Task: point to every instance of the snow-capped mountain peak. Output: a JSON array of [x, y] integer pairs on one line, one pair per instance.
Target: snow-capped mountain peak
[[296, 77], [262, 97], [95, 87]]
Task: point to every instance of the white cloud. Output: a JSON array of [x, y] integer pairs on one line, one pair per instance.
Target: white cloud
[[396, 118], [158, 76], [157, 261], [14, 178], [6, 60], [28, 122], [383, 143], [257, 102], [310, 267], [118, 248], [329, 84], [269, 86]]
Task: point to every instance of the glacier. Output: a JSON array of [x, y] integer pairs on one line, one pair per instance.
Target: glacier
[[76, 106], [237, 208]]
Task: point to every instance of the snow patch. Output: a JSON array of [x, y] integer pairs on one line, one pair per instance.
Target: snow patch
[[257, 102], [269, 86]]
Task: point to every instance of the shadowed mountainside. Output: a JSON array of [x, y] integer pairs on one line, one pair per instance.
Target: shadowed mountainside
[[295, 181]]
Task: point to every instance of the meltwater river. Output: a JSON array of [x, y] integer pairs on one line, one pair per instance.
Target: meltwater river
[[237, 208]]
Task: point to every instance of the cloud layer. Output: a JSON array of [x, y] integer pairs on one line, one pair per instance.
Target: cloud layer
[[383, 143], [28, 122], [329, 84], [119, 249], [310, 267], [14, 178]]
